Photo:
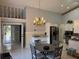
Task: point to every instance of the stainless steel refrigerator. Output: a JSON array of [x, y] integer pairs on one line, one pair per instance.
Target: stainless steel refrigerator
[[54, 34]]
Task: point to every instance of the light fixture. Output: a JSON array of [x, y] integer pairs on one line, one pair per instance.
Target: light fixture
[[39, 20], [62, 5], [69, 22], [68, 7]]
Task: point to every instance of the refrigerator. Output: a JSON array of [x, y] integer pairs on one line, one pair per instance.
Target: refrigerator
[[54, 34]]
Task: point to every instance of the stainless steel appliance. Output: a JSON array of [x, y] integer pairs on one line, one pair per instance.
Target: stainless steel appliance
[[54, 34]]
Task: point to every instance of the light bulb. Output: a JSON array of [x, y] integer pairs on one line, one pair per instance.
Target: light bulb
[[36, 19], [44, 21], [42, 18]]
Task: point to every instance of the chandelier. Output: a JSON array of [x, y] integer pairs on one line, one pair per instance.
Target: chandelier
[[39, 20]]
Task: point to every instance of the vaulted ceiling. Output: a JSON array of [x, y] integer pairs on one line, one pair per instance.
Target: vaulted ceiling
[[58, 6]]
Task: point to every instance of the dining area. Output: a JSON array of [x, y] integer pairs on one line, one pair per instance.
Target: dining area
[[40, 50]]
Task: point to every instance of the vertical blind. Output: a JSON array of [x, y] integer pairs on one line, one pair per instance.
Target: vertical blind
[[12, 12]]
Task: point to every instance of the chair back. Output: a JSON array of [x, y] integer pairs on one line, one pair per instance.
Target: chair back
[[36, 54], [55, 43], [37, 42], [58, 52], [5, 56], [33, 51]]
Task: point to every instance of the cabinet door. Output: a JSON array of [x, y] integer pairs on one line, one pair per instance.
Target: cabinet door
[[68, 27], [76, 26]]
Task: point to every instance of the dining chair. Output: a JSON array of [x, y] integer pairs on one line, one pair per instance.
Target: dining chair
[[5, 56], [45, 52], [55, 42], [35, 54], [37, 41], [56, 54]]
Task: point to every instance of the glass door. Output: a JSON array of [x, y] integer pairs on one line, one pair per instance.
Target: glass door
[[12, 36], [6, 37], [6, 34]]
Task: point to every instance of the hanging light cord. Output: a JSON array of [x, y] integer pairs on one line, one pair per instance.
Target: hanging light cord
[[39, 8], [39, 20], [39, 4]]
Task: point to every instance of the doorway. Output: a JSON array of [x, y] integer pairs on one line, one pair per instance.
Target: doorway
[[12, 36]]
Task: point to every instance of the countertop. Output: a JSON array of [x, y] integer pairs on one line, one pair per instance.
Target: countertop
[[39, 36]]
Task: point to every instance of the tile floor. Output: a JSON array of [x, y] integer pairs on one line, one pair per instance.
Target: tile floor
[[18, 53], [26, 54]]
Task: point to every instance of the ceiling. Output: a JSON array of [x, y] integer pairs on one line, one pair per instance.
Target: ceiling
[[58, 6]]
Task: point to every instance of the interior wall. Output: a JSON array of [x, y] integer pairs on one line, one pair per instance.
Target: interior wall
[[51, 17], [31, 13], [0, 34], [73, 15]]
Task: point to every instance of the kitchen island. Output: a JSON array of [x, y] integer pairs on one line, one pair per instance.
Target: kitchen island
[[44, 39], [74, 44]]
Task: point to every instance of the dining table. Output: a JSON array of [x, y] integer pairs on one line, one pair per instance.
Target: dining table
[[46, 48]]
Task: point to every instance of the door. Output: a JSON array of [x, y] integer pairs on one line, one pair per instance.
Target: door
[[6, 34], [6, 37], [12, 33]]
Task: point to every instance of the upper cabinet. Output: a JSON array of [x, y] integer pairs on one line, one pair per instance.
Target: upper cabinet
[[72, 26], [76, 26], [68, 27]]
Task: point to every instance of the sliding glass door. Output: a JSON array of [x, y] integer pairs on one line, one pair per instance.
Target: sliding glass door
[[12, 36], [6, 34]]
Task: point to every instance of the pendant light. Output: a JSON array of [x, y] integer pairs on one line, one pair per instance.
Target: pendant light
[[39, 20]]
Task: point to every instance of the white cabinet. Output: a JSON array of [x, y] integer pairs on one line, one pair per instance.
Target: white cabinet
[[68, 27], [76, 26]]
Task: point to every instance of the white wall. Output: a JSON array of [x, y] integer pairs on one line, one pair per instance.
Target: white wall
[[61, 32], [50, 17], [31, 13], [0, 34], [73, 15]]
